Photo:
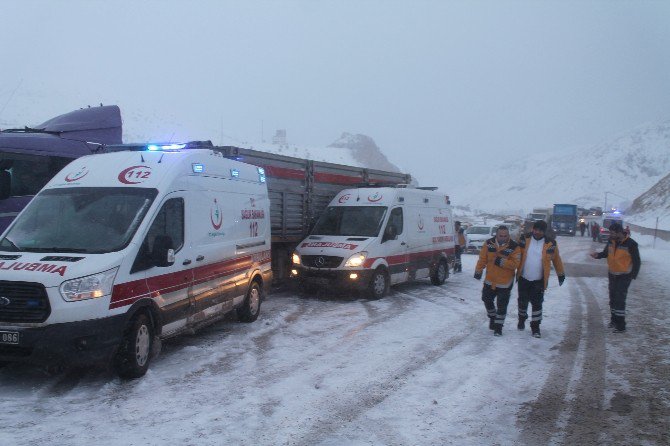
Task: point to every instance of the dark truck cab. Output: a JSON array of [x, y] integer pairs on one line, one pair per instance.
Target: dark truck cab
[[31, 156]]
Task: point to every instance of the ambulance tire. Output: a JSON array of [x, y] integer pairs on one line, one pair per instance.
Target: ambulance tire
[[251, 307], [379, 284], [440, 274], [132, 359]]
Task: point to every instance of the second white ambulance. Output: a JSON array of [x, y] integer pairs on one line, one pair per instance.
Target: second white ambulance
[[120, 250], [371, 238]]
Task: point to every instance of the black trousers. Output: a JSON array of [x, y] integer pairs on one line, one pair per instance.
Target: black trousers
[[458, 266], [618, 286], [531, 291], [496, 308]]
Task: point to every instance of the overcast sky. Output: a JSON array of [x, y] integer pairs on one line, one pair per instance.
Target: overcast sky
[[441, 86]]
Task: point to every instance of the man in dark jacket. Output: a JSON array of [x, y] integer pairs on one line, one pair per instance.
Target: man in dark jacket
[[623, 263]]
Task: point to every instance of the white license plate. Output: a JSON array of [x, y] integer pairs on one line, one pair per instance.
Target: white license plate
[[9, 337]]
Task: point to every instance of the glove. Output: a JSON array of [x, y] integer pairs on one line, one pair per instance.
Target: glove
[[478, 275], [498, 261], [561, 279]]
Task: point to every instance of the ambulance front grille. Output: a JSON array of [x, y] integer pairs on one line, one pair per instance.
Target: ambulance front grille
[[322, 261], [23, 302]]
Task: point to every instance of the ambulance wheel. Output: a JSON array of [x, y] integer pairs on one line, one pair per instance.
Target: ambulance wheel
[[440, 274], [251, 307], [379, 284], [132, 359]]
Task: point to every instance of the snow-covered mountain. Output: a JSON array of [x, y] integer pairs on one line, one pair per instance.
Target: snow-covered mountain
[[653, 204], [623, 167]]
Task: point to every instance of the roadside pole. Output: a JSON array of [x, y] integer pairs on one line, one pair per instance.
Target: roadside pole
[[655, 233]]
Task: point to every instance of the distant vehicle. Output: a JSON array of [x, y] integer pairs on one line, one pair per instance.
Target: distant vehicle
[[608, 219], [476, 236], [372, 238], [564, 219]]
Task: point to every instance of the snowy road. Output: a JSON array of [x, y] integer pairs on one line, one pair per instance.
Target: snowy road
[[419, 367]]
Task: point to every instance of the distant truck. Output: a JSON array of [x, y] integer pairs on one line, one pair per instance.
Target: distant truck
[[564, 219], [30, 157]]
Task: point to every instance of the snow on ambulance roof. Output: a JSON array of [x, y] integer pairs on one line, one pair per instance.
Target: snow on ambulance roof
[[150, 168]]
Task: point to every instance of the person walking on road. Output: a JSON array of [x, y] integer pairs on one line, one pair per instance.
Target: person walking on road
[[623, 263], [582, 227], [500, 256], [460, 246], [537, 254], [595, 229]]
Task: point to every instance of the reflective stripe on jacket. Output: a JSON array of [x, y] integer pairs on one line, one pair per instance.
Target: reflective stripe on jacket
[[549, 254], [501, 275]]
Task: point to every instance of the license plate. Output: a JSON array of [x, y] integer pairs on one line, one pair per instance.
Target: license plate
[[9, 337]]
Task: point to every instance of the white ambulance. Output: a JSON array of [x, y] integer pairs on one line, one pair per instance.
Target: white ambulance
[[371, 238], [121, 250]]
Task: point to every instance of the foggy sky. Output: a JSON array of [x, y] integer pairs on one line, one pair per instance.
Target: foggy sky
[[445, 88]]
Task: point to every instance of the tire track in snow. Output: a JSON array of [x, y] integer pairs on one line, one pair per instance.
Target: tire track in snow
[[537, 420]]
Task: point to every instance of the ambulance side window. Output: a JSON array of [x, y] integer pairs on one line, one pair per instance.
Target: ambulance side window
[[395, 219], [168, 224]]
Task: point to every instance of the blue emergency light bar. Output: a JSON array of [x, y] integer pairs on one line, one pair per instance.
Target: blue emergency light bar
[[160, 147], [261, 175], [166, 147]]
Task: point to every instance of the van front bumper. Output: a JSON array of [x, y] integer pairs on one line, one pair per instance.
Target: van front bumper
[[71, 344], [341, 279]]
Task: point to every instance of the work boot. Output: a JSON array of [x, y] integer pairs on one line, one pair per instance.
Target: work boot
[[497, 329], [492, 322], [522, 323], [535, 329]]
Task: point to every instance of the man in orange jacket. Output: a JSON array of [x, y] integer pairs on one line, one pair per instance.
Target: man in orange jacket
[[623, 262], [500, 256], [537, 254]]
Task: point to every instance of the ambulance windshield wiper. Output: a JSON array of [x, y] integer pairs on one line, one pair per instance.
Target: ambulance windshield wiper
[[55, 249]]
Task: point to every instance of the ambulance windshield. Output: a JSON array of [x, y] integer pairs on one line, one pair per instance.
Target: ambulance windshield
[[82, 219], [365, 221]]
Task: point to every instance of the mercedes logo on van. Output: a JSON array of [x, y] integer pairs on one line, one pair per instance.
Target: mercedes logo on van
[[4, 301], [319, 262]]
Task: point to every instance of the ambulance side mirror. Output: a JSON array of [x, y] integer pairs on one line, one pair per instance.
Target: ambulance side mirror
[[163, 252], [391, 233], [5, 184]]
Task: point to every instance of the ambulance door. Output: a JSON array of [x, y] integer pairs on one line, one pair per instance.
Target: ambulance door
[[215, 221], [169, 284], [394, 246]]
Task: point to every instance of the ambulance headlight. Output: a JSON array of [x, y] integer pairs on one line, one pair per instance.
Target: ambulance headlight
[[296, 259], [357, 259], [89, 287]]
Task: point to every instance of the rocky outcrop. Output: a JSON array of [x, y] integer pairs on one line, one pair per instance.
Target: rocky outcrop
[[365, 151]]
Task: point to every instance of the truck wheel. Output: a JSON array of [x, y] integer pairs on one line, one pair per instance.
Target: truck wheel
[[440, 274], [132, 359], [251, 307], [379, 284]]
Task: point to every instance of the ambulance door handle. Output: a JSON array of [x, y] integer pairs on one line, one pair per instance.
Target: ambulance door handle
[[186, 262], [199, 258]]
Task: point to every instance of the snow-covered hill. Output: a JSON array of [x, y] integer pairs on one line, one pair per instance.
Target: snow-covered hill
[[653, 204], [624, 167]]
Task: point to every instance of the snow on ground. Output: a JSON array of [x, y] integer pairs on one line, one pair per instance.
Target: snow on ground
[[419, 367]]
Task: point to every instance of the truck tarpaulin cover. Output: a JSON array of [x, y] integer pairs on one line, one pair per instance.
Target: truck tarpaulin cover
[[66, 135]]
